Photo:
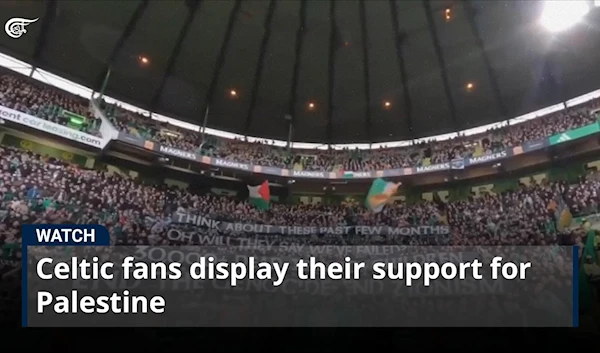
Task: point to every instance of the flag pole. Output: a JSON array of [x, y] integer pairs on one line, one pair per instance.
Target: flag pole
[[104, 83], [290, 120], [290, 132], [204, 122]]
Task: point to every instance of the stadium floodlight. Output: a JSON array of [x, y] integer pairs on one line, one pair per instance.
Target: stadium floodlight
[[559, 15]]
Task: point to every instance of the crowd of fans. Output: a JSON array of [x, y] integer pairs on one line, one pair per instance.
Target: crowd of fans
[[46, 102], [32, 97], [35, 189], [433, 152]]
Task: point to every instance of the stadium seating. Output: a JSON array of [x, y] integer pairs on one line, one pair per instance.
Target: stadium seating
[[48, 103], [41, 190], [32, 97], [266, 154]]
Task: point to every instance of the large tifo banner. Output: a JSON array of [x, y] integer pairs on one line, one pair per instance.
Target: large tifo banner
[[460, 163], [198, 220], [21, 118]]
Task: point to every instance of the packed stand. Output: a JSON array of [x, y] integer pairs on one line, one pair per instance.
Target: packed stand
[[43, 190], [265, 154], [45, 102]]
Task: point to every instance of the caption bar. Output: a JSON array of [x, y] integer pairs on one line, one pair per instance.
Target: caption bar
[[72, 276]]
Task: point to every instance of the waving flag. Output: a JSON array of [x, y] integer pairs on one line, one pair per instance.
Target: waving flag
[[563, 215], [260, 195], [380, 194]]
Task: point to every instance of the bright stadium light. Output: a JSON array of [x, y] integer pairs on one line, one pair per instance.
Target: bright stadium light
[[560, 15], [597, 3]]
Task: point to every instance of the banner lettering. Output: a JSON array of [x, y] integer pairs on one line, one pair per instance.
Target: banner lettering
[[177, 152], [198, 220], [487, 158], [308, 174], [231, 164], [433, 167], [52, 128]]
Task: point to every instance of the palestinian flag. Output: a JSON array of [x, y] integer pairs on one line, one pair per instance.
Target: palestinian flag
[[260, 195]]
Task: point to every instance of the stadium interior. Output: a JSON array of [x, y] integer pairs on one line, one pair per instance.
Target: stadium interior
[[484, 114]]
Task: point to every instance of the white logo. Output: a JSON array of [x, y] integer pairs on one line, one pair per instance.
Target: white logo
[[563, 138], [15, 27]]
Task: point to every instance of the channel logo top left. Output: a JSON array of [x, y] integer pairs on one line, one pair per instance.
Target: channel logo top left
[[15, 27]]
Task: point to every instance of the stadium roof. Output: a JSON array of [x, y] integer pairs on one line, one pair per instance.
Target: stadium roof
[[346, 71]]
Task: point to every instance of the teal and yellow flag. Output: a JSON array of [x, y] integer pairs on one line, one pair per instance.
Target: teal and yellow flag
[[380, 194], [563, 215]]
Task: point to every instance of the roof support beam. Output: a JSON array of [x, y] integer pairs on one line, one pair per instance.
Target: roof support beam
[[400, 40], [137, 14], [298, 55], [365, 41], [442, 63], [192, 11], [260, 63], [331, 69], [42, 38], [220, 60], [471, 14]]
